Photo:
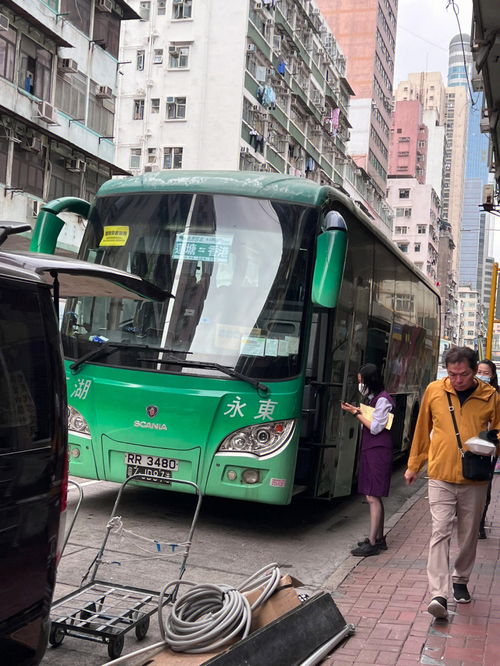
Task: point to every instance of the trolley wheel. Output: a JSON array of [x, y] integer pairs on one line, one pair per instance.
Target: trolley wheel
[[88, 611], [56, 635], [115, 647], [141, 629]]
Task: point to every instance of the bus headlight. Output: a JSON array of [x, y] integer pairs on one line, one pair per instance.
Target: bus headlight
[[259, 440], [76, 422]]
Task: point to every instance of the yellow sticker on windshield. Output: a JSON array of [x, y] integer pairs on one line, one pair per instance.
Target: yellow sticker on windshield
[[116, 236]]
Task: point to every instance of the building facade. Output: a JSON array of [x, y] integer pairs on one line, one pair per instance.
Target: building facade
[[58, 76], [409, 142], [268, 94], [416, 222], [366, 33]]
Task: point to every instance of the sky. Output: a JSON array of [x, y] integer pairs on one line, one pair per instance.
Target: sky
[[425, 28]]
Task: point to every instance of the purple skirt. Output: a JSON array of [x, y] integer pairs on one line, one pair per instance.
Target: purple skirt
[[374, 471]]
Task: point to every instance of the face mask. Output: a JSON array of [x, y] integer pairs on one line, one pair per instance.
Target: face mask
[[362, 389], [485, 378]]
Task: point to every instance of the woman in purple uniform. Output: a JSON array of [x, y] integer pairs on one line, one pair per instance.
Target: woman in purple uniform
[[375, 458]]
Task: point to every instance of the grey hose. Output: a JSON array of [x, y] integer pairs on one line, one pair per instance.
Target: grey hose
[[209, 616]]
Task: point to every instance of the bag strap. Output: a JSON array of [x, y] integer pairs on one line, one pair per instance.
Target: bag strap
[[452, 412]]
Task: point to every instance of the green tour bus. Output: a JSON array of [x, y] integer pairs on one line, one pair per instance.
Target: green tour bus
[[280, 289]]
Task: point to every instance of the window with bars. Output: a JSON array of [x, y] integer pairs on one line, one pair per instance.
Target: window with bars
[[155, 105], [172, 158]]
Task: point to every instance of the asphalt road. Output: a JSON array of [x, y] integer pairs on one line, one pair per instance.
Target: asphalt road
[[309, 539]]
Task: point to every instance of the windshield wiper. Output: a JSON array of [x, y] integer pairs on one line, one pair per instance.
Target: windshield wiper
[[232, 372], [106, 348]]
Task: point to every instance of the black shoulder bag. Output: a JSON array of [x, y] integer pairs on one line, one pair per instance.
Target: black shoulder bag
[[474, 466]]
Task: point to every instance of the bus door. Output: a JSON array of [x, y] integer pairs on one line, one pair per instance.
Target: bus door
[[338, 344]]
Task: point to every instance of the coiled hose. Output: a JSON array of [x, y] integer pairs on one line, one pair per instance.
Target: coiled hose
[[209, 616]]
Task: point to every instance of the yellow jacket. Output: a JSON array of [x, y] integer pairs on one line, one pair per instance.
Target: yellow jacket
[[434, 440]]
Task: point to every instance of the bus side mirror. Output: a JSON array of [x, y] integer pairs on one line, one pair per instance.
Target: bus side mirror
[[48, 223], [331, 246]]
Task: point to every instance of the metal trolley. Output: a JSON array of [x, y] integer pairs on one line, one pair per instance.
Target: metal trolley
[[104, 612]]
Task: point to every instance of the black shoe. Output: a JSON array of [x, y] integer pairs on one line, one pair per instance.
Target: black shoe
[[379, 542], [461, 593], [365, 550], [438, 608], [482, 533]]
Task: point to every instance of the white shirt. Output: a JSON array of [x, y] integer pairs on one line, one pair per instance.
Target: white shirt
[[380, 415]]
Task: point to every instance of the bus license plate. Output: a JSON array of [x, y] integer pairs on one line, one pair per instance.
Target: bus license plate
[[152, 474], [151, 462]]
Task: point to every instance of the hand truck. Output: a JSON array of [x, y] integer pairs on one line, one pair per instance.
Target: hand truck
[[104, 612]]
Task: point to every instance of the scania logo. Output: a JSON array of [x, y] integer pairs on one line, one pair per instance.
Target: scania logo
[[152, 411], [149, 425]]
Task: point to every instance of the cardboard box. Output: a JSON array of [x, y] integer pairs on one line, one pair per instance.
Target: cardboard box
[[284, 599]]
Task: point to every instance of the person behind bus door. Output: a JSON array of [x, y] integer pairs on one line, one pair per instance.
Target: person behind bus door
[[375, 457], [487, 371], [451, 496]]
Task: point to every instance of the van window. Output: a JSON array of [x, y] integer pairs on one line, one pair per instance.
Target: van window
[[27, 396]]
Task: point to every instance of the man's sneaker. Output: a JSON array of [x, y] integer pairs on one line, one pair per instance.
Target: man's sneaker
[[379, 542], [365, 550], [438, 608], [461, 593]]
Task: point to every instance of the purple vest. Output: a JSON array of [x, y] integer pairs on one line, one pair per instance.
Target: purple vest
[[384, 439]]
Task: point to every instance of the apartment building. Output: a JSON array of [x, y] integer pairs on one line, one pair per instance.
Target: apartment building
[[58, 75], [416, 222], [366, 32], [449, 105], [254, 86]]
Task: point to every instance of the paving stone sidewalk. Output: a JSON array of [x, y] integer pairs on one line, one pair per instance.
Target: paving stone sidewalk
[[386, 598]]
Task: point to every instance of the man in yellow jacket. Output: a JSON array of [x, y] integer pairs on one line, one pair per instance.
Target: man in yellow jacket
[[477, 408]]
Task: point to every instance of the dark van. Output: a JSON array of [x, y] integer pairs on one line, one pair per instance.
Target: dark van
[[33, 438]]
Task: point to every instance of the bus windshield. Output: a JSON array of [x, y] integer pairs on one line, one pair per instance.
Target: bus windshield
[[239, 270]]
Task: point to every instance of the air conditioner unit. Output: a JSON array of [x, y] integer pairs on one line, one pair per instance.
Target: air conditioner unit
[[244, 150], [32, 143], [257, 5], [75, 165], [149, 168], [269, 21], [47, 113], [67, 66], [140, 92], [255, 107], [4, 23], [251, 48], [104, 5], [104, 92], [170, 100]]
